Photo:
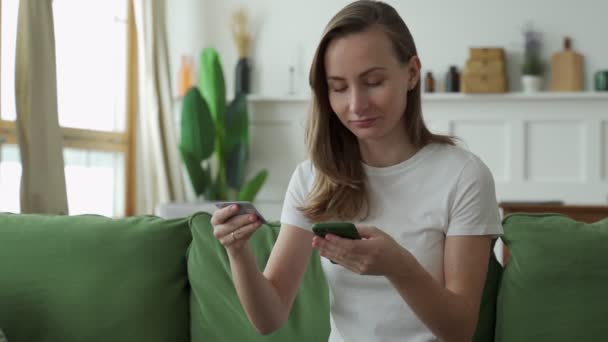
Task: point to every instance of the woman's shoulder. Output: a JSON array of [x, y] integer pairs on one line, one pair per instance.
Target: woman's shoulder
[[454, 155], [458, 160], [304, 173], [305, 168]]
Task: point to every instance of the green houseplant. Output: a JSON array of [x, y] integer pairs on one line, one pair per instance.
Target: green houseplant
[[533, 64], [532, 67], [214, 141]]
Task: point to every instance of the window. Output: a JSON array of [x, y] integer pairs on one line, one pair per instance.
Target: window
[[91, 56]]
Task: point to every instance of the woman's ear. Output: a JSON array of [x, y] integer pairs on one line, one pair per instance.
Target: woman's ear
[[414, 67]]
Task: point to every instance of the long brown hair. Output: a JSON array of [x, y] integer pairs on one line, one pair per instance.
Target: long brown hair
[[339, 190]]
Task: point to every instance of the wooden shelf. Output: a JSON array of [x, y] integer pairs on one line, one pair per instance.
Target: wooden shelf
[[540, 96]]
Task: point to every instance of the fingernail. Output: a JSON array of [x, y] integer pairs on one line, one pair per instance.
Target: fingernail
[[252, 218], [234, 207]]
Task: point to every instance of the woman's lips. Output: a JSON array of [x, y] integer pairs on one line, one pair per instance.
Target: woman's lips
[[365, 123]]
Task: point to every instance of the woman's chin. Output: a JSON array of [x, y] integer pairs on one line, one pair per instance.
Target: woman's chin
[[366, 134]]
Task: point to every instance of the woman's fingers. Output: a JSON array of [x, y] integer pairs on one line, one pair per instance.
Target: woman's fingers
[[345, 252], [242, 233], [220, 216], [232, 224]]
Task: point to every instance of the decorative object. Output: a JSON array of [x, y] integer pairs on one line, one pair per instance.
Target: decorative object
[[601, 80], [429, 83], [567, 69], [532, 66], [292, 89], [185, 75], [242, 39], [215, 137], [452, 80], [485, 71]]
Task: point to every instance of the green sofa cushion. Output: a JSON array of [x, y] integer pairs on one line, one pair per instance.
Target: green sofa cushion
[[92, 278], [555, 286], [216, 313]]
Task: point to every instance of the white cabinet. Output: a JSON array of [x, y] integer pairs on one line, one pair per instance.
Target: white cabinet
[[545, 146]]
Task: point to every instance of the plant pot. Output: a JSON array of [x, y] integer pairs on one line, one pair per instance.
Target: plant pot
[[531, 83]]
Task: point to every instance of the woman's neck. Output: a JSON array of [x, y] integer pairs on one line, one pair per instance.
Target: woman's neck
[[387, 152]]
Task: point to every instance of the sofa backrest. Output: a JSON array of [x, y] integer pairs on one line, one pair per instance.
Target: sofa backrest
[[92, 278], [216, 313], [555, 285]]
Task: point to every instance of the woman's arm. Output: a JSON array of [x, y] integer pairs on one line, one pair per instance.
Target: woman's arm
[[267, 297], [449, 311]]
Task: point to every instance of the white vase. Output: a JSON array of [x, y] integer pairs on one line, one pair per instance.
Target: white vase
[[531, 83]]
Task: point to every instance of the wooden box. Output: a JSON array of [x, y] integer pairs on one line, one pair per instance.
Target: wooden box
[[484, 66], [472, 83], [486, 53]]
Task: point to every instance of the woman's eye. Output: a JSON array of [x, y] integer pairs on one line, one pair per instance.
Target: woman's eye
[[374, 83], [338, 89]]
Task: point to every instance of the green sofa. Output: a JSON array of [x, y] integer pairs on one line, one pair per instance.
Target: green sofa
[[91, 278]]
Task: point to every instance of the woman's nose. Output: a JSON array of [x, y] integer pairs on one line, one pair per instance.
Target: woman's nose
[[358, 102]]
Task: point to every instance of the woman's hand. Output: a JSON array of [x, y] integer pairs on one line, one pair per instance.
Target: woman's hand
[[233, 231], [375, 254]]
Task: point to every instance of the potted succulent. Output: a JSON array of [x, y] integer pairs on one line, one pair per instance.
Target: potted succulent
[[532, 67], [214, 141]]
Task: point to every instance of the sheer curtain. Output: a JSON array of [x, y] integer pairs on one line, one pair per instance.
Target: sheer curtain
[[43, 188], [160, 177]]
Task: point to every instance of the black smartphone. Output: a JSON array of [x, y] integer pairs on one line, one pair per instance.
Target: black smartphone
[[342, 229]]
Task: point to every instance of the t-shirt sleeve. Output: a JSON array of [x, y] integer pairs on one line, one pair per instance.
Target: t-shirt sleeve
[[474, 210], [295, 197]]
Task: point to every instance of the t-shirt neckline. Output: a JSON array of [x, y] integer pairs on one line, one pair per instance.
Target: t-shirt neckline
[[402, 166]]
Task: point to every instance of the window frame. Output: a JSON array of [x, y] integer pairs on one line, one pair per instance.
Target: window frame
[[94, 140]]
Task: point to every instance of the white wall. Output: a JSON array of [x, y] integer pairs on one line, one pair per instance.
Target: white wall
[[287, 31]]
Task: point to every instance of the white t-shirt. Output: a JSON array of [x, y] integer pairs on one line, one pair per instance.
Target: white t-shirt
[[442, 190]]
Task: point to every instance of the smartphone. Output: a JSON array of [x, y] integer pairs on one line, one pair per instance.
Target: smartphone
[[244, 208], [342, 229]]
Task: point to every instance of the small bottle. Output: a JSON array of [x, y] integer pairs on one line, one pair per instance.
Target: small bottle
[[452, 80], [429, 83]]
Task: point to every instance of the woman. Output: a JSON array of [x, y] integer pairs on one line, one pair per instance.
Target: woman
[[425, 208]]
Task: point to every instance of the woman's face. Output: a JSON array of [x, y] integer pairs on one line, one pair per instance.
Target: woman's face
[[367, 85]]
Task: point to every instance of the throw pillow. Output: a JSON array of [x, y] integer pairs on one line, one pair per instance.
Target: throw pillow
[[555, 285], [92, 278], [217, 314]]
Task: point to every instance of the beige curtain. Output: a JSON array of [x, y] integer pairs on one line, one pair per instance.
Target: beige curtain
[[43, 187], [160, 178]]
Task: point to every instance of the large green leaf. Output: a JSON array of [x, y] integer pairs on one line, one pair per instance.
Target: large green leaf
[[211, 83], [197, 128], [235, 166], [199, 180], [236, 123], [251, 189]]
